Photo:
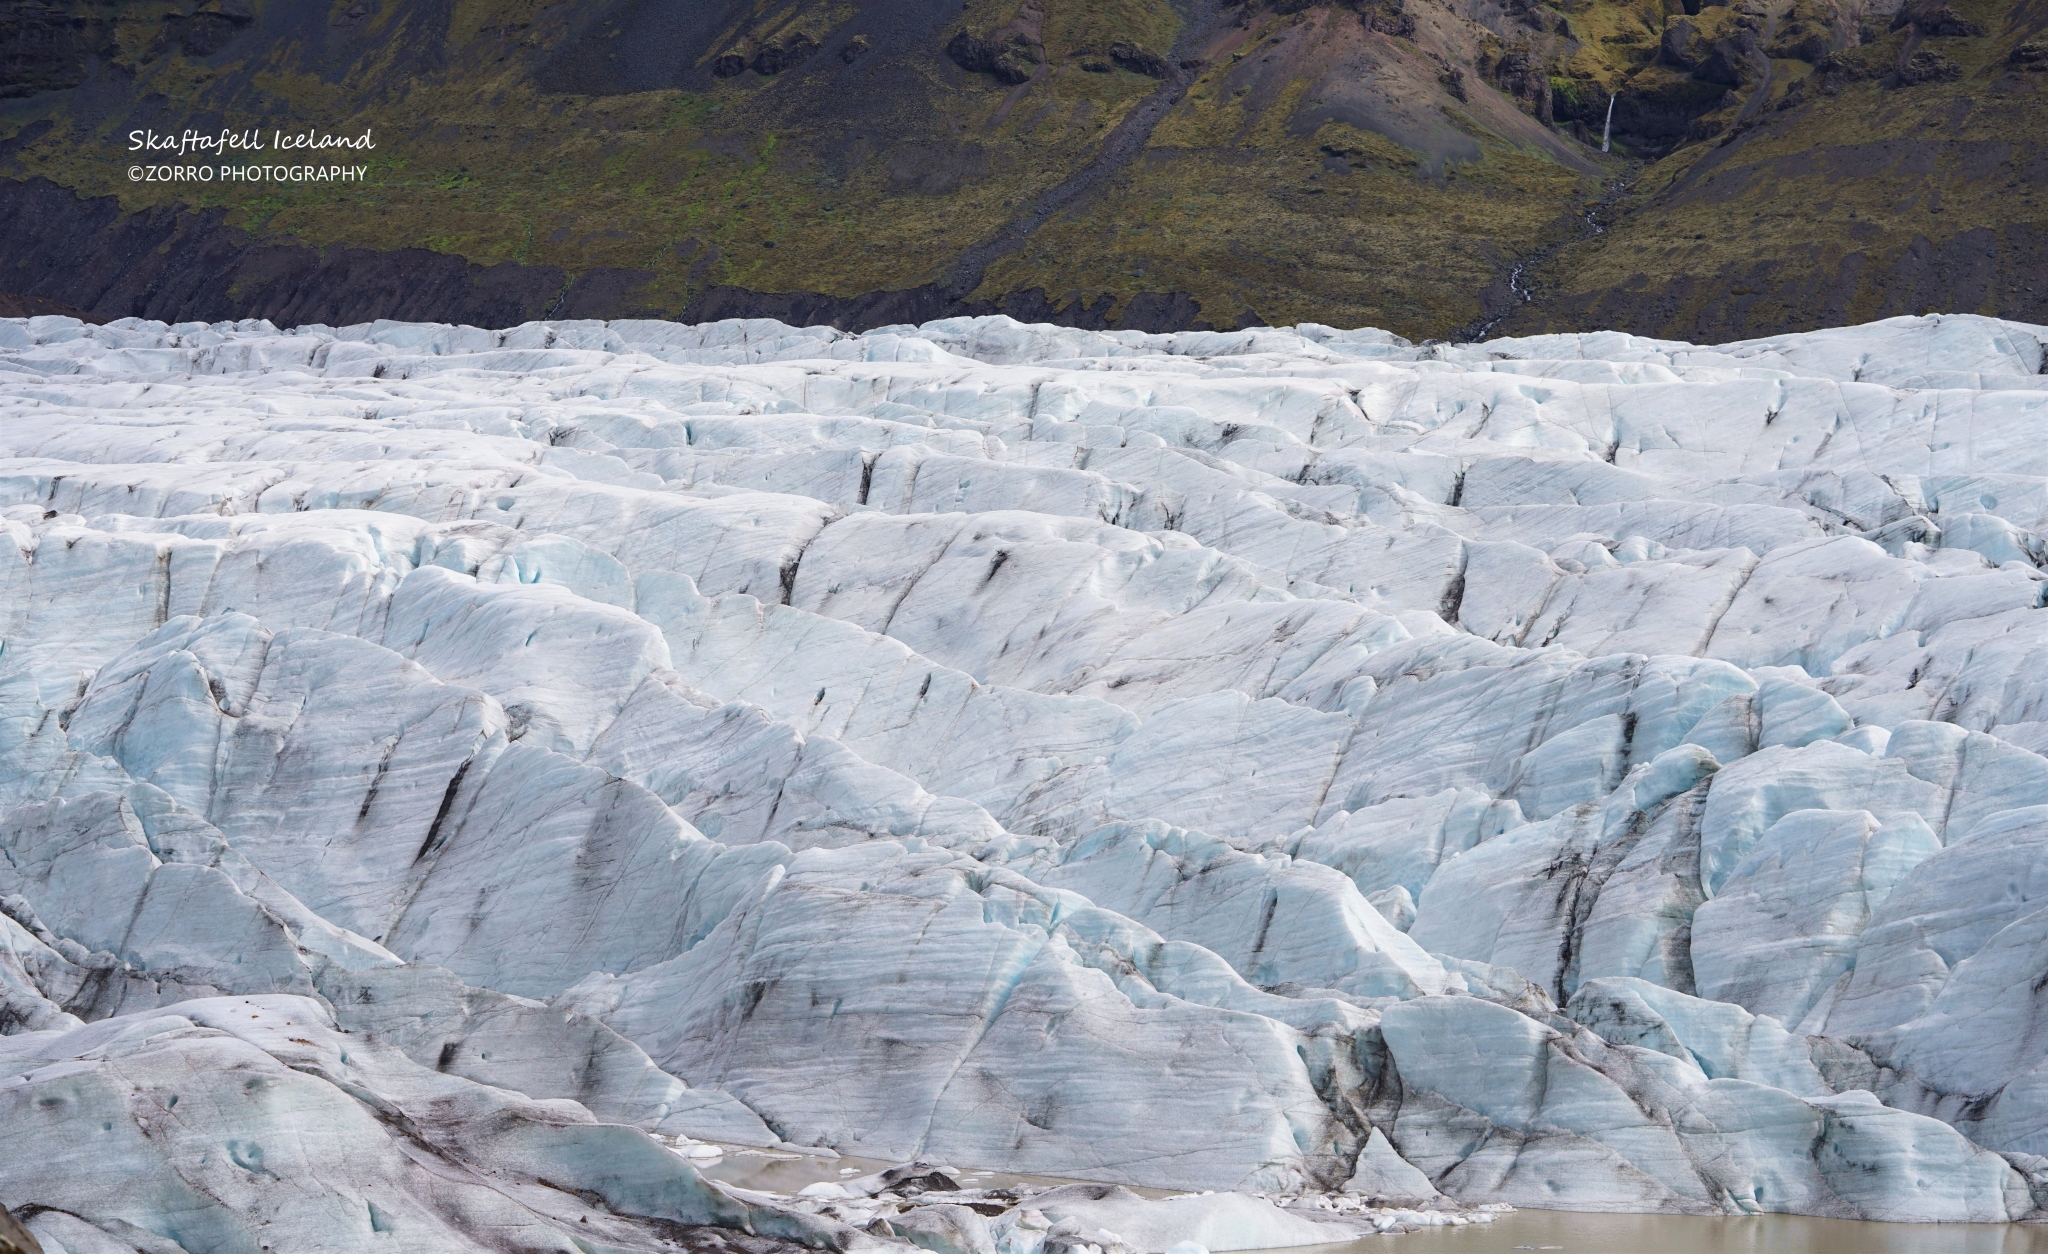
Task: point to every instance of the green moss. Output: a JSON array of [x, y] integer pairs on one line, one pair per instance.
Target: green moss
[[1228, 202], [1802, 218]]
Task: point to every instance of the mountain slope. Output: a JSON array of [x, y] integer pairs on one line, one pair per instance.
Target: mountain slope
[[1901, 176], [1413, 164]]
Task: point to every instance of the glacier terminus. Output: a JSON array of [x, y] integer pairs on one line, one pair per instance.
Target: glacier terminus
[[458, 787]]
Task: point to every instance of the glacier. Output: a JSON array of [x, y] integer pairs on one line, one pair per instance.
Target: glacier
[[455, 785]]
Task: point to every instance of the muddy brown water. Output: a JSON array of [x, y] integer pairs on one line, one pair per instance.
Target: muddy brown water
[[1568, 1232]]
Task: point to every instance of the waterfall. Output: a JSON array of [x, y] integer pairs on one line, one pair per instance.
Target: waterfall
[[1607, 128]]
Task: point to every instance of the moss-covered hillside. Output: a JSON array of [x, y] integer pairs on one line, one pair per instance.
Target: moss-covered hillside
[[1432, 166]]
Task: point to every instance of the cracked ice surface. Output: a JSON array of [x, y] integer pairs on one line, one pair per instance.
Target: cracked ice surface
[[1582, 771]]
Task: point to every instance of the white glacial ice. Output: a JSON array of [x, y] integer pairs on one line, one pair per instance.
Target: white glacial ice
[[447, 777]]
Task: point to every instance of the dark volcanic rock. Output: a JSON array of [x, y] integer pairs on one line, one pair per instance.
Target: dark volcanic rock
[[176, 266], [44, 48], [1131, 57], [1800, 45], [210, 30], [1389, 17], [87, 259], [1753, 298], [1935, 19], [12, 306], [1723, 58], [1659, 114], [1013, 52], [15, 1239], [625, 47], [1926, 66], [774, 58], [1011, 60], [1520, 72]]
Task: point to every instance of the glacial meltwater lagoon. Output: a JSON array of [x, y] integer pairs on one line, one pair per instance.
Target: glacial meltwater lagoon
[[1568, 1232]]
